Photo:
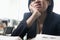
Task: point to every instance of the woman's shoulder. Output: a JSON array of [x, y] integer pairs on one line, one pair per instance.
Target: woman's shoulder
[[27, 15], [56, 16]]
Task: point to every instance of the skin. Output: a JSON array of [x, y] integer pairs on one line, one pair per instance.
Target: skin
[[38, 9], [1, 26]]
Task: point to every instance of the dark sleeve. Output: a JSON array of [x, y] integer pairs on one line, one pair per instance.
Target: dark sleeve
[[58, 29], [58, 26], [22, 29]]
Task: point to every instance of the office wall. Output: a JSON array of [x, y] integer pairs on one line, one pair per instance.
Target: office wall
[[15, 9]]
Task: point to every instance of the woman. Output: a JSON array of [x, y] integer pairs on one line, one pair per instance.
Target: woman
[[40, 19]]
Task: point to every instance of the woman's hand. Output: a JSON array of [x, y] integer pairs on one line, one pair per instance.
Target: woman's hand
[[35, 15], [34, 10]]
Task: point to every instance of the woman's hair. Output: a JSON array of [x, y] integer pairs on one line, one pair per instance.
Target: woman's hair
[[50, 7]]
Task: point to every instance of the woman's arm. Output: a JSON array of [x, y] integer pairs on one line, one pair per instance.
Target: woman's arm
[[21, 30], [35, 14]]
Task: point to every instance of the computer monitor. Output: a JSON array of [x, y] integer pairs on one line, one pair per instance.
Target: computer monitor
[[8, 30]]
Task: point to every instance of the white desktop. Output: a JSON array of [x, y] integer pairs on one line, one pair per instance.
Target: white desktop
[[9, 38], [46, 37]]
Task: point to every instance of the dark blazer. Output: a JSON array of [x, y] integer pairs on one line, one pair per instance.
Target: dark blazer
[[51, 26]]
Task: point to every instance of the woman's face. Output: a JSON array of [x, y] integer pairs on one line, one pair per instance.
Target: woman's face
[[40, 5]]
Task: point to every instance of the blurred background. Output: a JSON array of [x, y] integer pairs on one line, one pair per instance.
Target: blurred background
[[12, 11]]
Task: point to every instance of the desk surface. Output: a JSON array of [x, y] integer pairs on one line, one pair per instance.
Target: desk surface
[[46, 37], [9, 38]]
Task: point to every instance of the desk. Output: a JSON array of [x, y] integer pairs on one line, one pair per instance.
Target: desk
[[9, 38], [46, 37]]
